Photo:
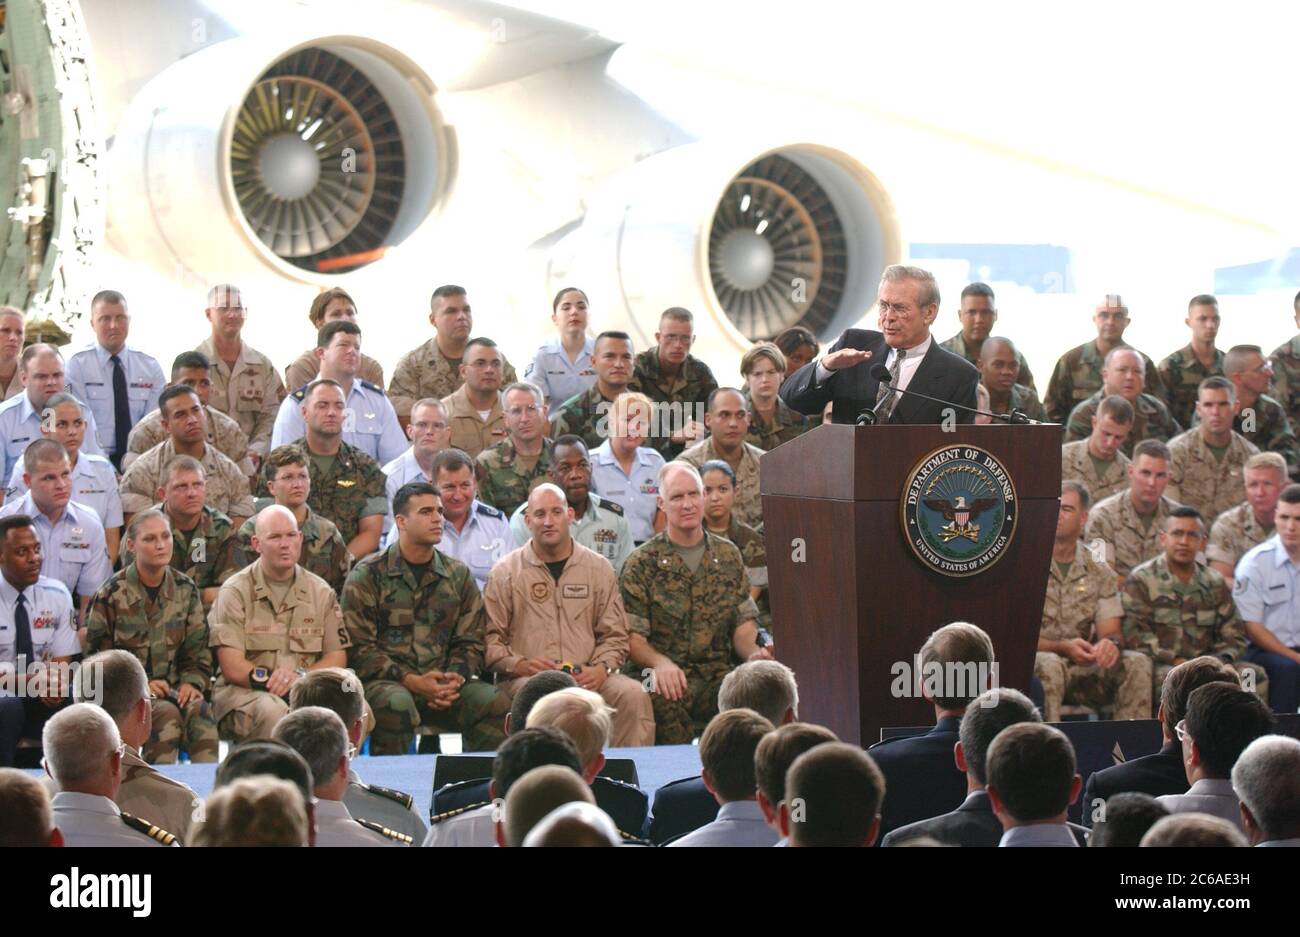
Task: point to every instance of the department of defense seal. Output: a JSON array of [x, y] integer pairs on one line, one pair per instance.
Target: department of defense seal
[[959, 510]]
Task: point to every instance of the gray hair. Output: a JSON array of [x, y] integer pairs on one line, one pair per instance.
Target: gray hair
[[1238, 357], [1267, 779], [1125, 350], [929, 292], [1193, 829], [429, 402], [79, 742], [318, 734], [527, 386], [678, 466], [766, 686], [116, 680]]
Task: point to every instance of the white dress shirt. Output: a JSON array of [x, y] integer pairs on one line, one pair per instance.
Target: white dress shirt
[[1208, 795], [336, 827], [475, 827], [91, 820], [1038, 834], [739, 823], [49, 617]]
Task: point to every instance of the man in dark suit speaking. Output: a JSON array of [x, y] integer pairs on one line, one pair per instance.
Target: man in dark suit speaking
[[908, 302]]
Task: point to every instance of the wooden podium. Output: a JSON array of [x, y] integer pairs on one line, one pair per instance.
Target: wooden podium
[[850, 599]]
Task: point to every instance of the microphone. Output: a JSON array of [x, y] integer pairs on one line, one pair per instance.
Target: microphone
[[881, 374]]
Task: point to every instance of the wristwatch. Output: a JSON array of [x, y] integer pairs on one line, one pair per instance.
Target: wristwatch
[[258, 678]]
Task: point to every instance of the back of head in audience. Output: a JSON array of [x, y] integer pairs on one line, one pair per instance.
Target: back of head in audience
[[581, 715], [266, 756], [83, 750], [26, 818], [990, 713], [319, 736], [116, 681], [1266, 778], [534, 688], [765, 686], [575, 824], [1126, 820], [773, 758], [1182, 680], [1221, 721], [535, 795], [1193, 829], [1031, 776], [727, 750], [335, 688], [528, 749], [254, 811], [958, 660], [833, 797]]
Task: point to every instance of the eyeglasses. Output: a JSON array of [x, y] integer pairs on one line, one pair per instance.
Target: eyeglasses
[[352, 752], [1181, 730]]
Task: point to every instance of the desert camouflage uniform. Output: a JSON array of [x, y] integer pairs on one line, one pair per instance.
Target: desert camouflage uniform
[[1197, 478], [786, 425], [748, 506], [585, 415], [307, 368], [1024, 399], [503, 485], [1075, 604], [690, 618], [170, 638], [1151, 420], [353, 488], [426, 372], [250, 393], [149, 794], [1128, 542], [1166, 619], [1077, 465], [1235, 531], [204, 554], [1078, 376], [403, 625], [224, 435], [469, 433], [1286, 378], [690, 390], [324, 552], [1182, 373], [224, 481], [957, 345]]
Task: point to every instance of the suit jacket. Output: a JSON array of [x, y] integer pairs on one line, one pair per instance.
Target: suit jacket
[[941, 374], [972, 824], [681, 807], [626, 805], [1157, 774], [921, 778]]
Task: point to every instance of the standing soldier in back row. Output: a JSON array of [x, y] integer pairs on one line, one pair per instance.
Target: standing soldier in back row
[[977, 315], [678, 383], [1286, 370], [1183, 371], [1078, 372]]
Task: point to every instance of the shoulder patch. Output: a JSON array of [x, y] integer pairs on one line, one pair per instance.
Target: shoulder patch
[[489, 511], [385, 831], [148, 829], [612, 506], [368, 386], [403, 798], [300, 394], [438, 818]]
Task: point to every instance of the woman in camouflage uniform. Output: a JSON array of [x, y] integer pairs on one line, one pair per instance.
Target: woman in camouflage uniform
[[719, 495]]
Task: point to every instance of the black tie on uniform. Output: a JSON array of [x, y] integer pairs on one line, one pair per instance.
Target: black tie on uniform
[[121, 412], [23, 647]]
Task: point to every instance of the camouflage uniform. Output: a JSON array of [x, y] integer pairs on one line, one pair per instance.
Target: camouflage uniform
[[689, 390], [1077, 465], [426, 372], [748, 506], [1166, 618], [1151, 420], [400, 625], [690, 618], [1078, 376], [957, 345], [1024, 399], [503, 485], [224, 435], [1075, 604], [226, 485], [250, 392], [469, 433], [204, 554], [786, 425], [1197, 478], [324, 551], [1127, 541], [1286, 377], [1235, 531], [753, 551], [1273, 431], [307, 368], [352, 488], [585, 415], [170, 638], [1182, 373]]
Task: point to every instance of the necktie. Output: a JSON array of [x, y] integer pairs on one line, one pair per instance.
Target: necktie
[[23, 646], [884, 399], [121, 412]]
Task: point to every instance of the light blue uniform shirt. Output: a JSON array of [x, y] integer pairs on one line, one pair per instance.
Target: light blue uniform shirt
[[558, 378], [637, 492], [72, 549], [49, 613], [401, 471], [370, 423], [600, 529], [485, 539], [94, 484], [1266, 588], [1039, 834], [739, 823], [90, 379], [20, 424]]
